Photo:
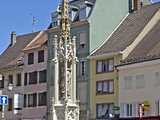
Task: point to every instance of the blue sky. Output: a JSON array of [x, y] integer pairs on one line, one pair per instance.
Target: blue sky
[[153, 1], [15, 15]]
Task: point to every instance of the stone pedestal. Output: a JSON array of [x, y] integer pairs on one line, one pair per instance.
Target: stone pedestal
[[67, 112]]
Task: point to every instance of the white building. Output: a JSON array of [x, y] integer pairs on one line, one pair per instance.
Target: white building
[[139, 77], [138, 83]]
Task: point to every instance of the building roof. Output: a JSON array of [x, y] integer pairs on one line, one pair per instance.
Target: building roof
[[129, 29], [13, 53], [78, 3], [38, 41], [148, 49]]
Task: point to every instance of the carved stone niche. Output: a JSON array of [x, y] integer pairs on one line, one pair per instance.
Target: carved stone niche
[[72, 113], [60, 112]]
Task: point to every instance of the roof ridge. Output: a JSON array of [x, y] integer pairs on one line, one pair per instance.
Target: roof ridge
[[27, 34], [122, 37]]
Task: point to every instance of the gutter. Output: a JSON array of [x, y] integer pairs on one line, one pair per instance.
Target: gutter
[[104, 55], [138, 63]]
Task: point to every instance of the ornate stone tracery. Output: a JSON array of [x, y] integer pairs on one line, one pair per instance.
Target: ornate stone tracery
[[65, 104]]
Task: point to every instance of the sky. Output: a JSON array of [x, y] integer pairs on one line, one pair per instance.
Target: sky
[[154, 1], [16, 15]]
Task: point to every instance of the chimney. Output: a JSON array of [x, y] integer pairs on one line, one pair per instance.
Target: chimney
[[13, 38], [138, 4], [135, 5]]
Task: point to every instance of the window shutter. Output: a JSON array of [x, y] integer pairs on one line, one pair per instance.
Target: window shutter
[[111, 65], [82, 68], [83, 37], [111, 85], [99, 86], [105, 86], [25, 78]]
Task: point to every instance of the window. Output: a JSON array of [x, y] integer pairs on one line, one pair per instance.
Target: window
[[110, 65], [33, 78], [42, 97], [128, 82], [18, 83], [42, 76], [10, 104], [99, 87], [10, 79], [140, 81], [105, 66], [103, 110], [111, 86], [2, 82], [157, 107], [82, 13], [157, 78], [128, 110], [25, 100], [30, 58], [99, 66], [105, 87], [32, 100], [83, 37], [0, 108], [25, 78], [82, 65], [55, 23], [40, 56]]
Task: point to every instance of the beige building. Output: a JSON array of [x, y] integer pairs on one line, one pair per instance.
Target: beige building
[[23, 66], [139, 77]]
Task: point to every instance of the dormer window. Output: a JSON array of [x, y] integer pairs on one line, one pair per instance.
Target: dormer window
[[73, 12], [20, 61], [85, 10], [55, 19], [55, 24], [82, 13]]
